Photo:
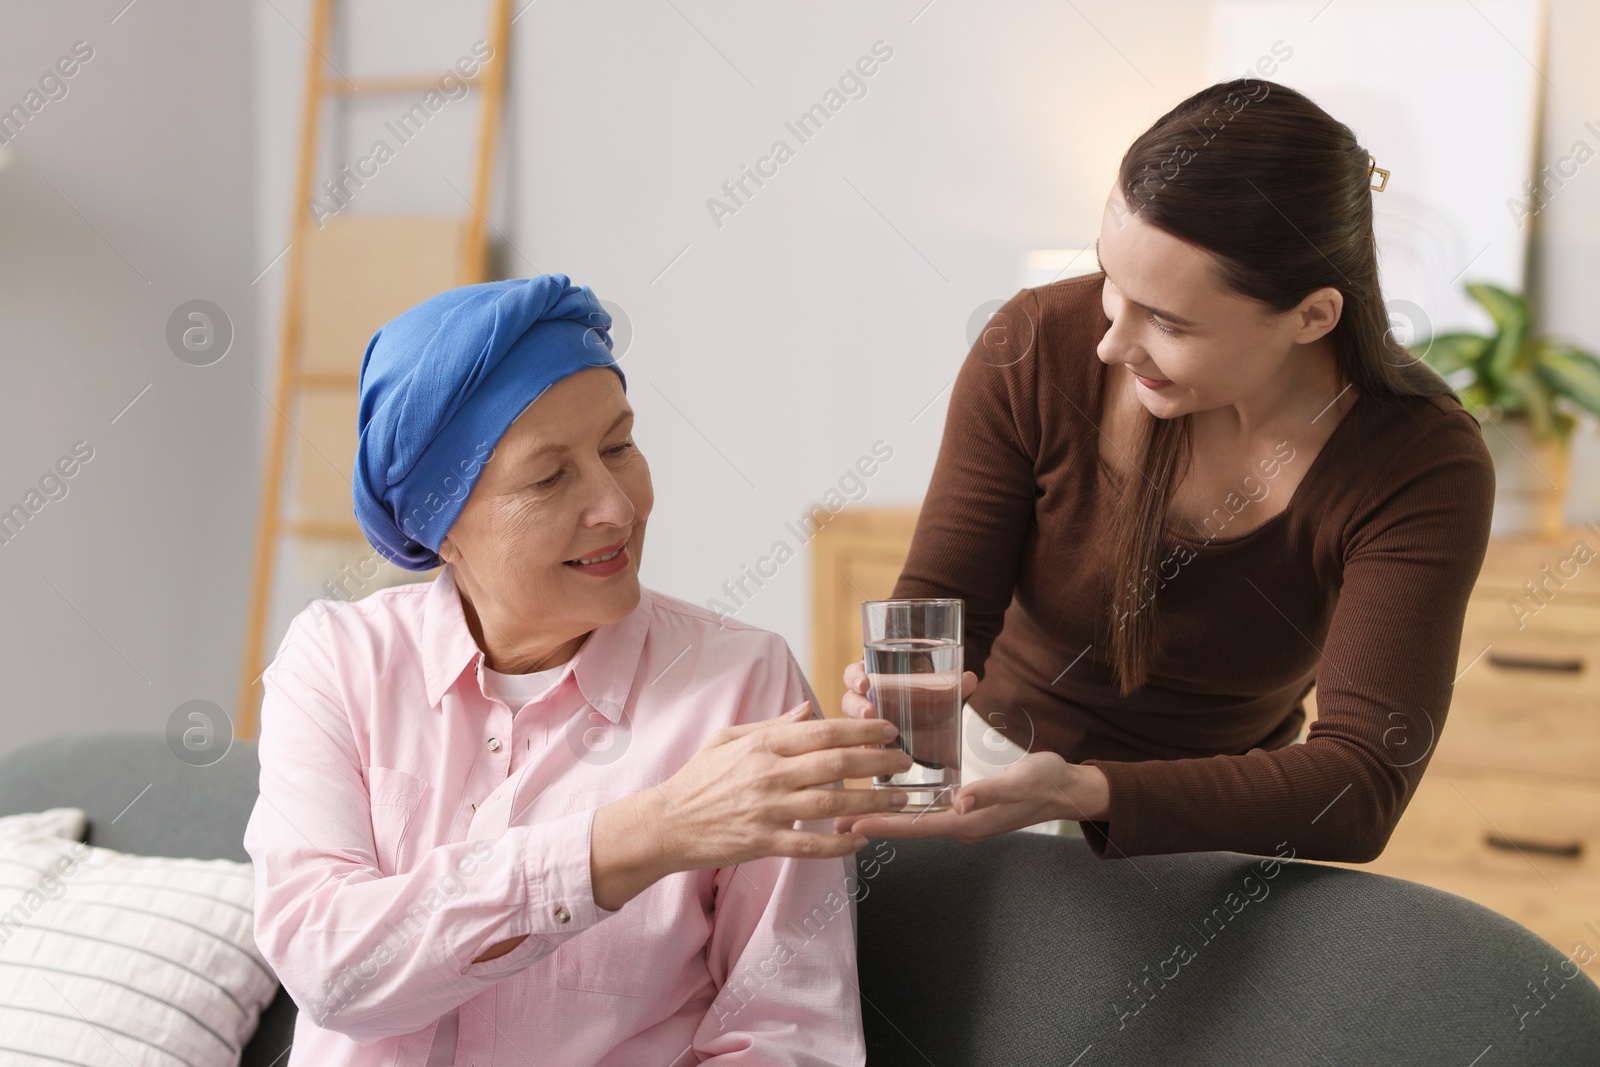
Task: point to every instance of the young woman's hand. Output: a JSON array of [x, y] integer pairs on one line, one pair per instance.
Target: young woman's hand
[[737, 800], [1036, 788], [855, 704]]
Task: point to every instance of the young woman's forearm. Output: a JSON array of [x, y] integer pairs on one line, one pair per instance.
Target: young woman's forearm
[[1086, 796]]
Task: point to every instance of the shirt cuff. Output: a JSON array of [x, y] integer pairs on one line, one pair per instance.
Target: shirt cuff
[[557, 898], [1121, 813], [560, 894]]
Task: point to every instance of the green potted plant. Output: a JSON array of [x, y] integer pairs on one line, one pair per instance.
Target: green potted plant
[[1526, 391]]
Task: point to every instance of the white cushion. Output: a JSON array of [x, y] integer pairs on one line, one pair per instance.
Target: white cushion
[[56, 822], [114, 960]]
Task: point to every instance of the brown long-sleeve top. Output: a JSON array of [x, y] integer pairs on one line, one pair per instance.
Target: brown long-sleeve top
[[1358, 586]]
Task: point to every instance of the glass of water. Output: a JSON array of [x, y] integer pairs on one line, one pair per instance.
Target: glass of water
[[912, 653]]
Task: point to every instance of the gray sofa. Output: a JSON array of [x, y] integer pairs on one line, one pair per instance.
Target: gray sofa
[[1026, 949]]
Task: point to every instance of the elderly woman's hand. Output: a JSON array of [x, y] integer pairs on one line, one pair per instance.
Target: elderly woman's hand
[[737, 800], [855, 704]]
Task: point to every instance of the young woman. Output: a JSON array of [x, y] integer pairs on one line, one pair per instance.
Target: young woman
[[1179, 492]]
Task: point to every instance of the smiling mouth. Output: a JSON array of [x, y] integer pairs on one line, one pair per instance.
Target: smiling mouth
[[602, 557]]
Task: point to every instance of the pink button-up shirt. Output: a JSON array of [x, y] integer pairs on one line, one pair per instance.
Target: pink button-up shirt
[[408, 820]]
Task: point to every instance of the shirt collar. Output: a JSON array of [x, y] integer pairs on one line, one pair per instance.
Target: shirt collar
[[604, 666]]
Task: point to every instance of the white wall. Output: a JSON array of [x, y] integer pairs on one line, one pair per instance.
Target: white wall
[[825, 315], [120, 201], [1564, 267], [830, 312]]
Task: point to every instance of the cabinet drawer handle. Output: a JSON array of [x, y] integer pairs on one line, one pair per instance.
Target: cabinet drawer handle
[[1569, 665], [1572, 849]]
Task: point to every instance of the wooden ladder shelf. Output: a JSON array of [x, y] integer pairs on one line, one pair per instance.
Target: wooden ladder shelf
[[346, 276]]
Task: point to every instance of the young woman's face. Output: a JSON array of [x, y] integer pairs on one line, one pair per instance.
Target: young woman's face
[[565, 484], [1188, 344]]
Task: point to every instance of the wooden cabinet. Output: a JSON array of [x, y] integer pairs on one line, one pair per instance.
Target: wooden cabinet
[[1508, 813], [1445, 840], [857, 556]]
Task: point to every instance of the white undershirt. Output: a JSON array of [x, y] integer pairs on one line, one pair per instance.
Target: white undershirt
[[516, 690]]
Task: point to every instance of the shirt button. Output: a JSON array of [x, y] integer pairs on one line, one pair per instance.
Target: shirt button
[[474, 807], [494, 744], [562, 914]]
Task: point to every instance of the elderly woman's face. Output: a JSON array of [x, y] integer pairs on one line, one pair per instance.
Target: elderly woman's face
[[553, 529]]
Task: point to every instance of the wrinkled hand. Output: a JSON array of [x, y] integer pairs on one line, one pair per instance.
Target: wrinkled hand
[[855, 704], [737, 800]]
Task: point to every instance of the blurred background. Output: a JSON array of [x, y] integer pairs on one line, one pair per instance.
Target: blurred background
[[162, 202]]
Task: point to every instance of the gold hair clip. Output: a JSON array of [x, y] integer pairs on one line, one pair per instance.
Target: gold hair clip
[[1372, 167]]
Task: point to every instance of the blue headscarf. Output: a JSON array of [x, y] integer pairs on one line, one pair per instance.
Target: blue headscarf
[[440, 385]]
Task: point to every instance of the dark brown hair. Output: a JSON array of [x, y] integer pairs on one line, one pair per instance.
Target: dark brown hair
[[1280, 192]]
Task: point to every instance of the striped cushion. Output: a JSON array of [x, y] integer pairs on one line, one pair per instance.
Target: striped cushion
[[119, 960], [57, 822]]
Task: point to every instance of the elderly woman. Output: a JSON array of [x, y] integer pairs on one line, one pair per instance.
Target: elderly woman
[[532, 812]]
